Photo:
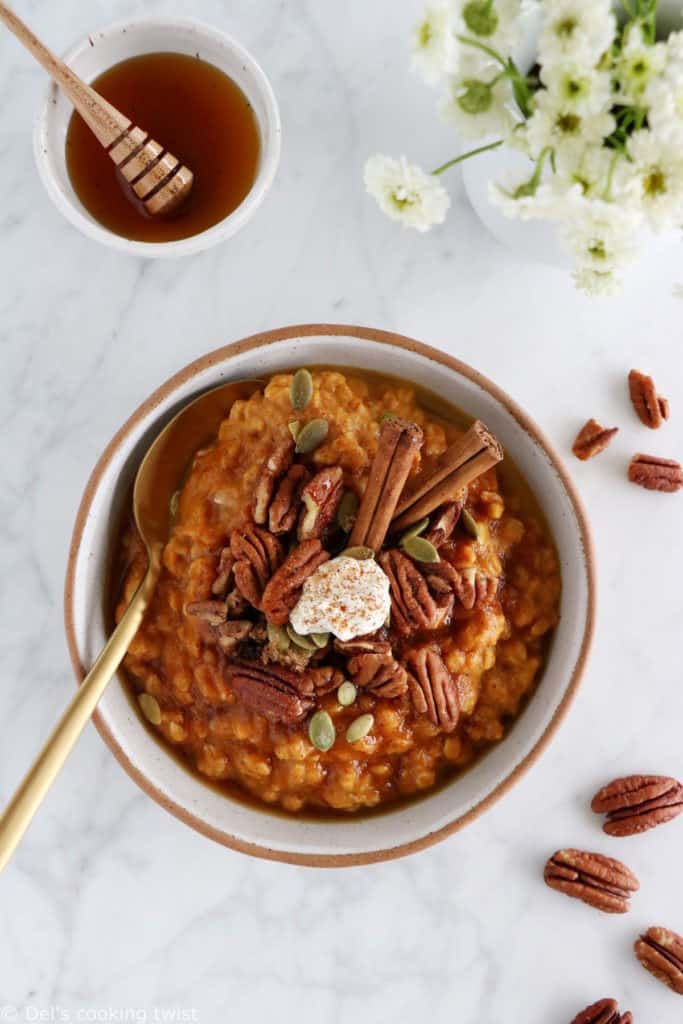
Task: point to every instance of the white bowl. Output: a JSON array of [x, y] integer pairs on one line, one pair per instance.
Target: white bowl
[[365, 839], [98, 52]]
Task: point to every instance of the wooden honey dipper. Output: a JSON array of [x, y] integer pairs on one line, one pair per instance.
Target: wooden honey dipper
[[157, 178]]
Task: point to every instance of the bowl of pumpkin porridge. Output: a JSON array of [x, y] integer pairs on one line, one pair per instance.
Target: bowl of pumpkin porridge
[[375, 604]]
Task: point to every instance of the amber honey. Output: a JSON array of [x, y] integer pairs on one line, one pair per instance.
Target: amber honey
[[199, 114]]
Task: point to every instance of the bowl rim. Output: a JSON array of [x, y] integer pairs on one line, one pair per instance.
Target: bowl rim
[[260, 340], [271, 145]]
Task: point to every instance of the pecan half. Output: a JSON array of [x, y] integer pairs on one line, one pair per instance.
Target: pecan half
[[223, 573], [284, 509], [660, 951], [605, 1011], [284, 589], [229, 635], [656, 474], [321, 497], [470, 586], [637, 803], [651, 409], [257, 555], [272, 471], [413, 606], [602, 882], [379, 673], [373, 643], [444, 522], [277, 693], [211, 612], [433, 689], [592, 439]]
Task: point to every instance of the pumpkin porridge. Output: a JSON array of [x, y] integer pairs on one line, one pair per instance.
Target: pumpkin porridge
[[355, 601]]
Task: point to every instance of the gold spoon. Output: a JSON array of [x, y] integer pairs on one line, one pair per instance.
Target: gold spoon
[[156, 481], [158, 179]]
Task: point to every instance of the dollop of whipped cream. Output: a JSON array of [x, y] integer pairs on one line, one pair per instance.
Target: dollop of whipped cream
[[348, 597]]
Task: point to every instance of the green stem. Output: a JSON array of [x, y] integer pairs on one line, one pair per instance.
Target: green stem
[[466, 156], [481, 46], [607, 194]]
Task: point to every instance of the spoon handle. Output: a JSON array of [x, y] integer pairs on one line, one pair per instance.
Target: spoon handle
[[25, 802], [106, 122]]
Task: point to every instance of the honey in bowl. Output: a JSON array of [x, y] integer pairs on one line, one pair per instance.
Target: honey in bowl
[[198, 113]]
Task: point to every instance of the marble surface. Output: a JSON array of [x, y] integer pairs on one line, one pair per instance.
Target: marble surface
[[111, 909]]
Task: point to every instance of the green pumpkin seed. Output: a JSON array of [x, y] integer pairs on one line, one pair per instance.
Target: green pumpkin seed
[[310, 436], [149, 706], [173, 504], [415, 530], [359, 728], [321, 731], [346, 694], [304, 642], [294, 427], [470, 524], [277, 636], [301, 390], [347, 511], [320, 639], [420, 549], [361, 553]]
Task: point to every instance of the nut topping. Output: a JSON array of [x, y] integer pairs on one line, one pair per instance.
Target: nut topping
[[413, 607], [637, 803], [602, 882], [223, 573], [471, 587], [592, 439], [651, 409], [231, 634], [272, 471], [660, 951], [211, 612], [605, 1011], [371, 644], [656, 474], [257, 555], [433, 689], [277, 693], [284, 589], [445, 521], [284, 510], [379, 673], [321, 497]]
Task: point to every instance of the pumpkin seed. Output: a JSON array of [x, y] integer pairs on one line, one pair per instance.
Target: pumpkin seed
[[346, 694], [277, 636], [294, 427], [321, 731], [361, 553], [304, 642], [420, 549], [320, 639], [150, 708], [310, 436], [470, 524], [387, 416], [359, 728], [415, 530], [173, 504], [347, 511], [301, 390]]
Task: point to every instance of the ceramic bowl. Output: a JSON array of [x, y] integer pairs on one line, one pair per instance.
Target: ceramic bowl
[[365, 839], [100, 51]]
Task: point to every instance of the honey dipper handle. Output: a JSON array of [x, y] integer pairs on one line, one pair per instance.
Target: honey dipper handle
[[105, 121]]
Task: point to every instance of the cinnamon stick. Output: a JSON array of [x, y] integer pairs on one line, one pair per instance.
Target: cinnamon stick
[[471, 455], [399, 443]]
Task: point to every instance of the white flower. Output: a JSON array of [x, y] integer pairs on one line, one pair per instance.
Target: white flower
[[600, 235], [663, 94], [434, 45], [590, 168], [497, 25], [657, 176], [597, 282], [576, 30], [578, 87], [546, 203], [405, 192], [476, 103], [638, 64], [558, 126]]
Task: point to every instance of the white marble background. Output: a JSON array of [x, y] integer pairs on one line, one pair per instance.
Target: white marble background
[[111, 906]]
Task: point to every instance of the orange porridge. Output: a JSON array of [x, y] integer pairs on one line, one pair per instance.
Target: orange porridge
[[341, 622]]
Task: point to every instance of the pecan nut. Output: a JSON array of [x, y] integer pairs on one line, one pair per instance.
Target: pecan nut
[[229, 635], [637, 803], [660, 951], [213, 613], [379, 673], [444, 522], [321, 497], [651, 409], [277, 693], [223, 573], [272, 471], [605, 1011], [257, 555], [373, 643], [433, 689], [656, 474], [602, 882], [413, 606], [284, 509], [284, 588], [470, 586], [592, 439]]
